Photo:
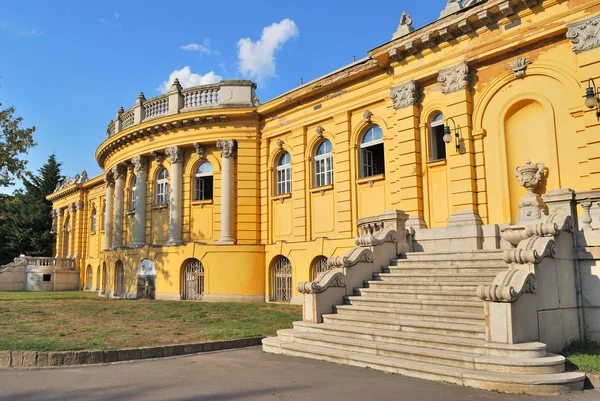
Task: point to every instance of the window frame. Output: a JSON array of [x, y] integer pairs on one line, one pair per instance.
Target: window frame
[[283, 175], [161, 197], [323, 165], [433, 125], [199, 181], [133, 193], [94, 220], [367, 167]]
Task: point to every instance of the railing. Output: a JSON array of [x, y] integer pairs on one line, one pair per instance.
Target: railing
[[587, 199], [222, 95], [58, 263]]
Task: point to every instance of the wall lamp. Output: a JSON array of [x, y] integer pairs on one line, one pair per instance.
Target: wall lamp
[[448, 134], [592, 97]]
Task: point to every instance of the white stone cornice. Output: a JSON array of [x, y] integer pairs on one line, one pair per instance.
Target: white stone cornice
[[404, 95], [227, 147], [174, 154], [454, 78], [585, 35]]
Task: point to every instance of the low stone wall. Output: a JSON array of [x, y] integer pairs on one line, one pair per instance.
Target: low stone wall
[[39, 359]]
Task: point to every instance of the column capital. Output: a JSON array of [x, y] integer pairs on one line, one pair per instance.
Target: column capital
[[404, 95], [140, 163], [227, 147], [71, 207], [109, 180], [79, 205], [59, 212], [174, 154], [454, 78], [118, 171]]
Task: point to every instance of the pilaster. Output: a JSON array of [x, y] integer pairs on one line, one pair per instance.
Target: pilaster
[[175, 155], [59, 231], [118, 173], [79, 230], [108, 219], [70, 251], [343, 174], [140, 164]]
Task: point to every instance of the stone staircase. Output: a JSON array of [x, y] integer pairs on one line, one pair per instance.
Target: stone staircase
[[421, 317]]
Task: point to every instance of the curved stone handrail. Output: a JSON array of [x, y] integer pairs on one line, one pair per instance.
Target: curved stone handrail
[[351, 258], [531, 250], [386, 235], [508, 286], [323, 281]]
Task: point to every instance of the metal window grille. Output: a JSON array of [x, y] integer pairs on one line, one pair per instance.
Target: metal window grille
[[319, 266], [193, 280], [282, 280]]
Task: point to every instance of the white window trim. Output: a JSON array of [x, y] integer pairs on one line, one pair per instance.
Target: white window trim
[[432, 142], [325, 173], [363, 150], [94, 220], [133, 194], [283, 186], [162, 190], [199, 194]]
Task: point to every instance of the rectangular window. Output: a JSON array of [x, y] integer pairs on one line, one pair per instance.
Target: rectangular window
[[367, 163], [284, 181], [438, 146], [162, 193], [204, 188], [373, 160], [133, 196], [323, 171], [47, 277]]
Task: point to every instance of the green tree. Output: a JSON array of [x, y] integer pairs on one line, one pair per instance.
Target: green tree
[[14, 141], [30, 223]]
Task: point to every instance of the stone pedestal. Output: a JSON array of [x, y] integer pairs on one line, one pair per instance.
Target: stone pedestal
[[511, 323]]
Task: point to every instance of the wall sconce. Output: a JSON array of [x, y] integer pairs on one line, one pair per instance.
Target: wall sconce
[[457, 134], [592, 98]]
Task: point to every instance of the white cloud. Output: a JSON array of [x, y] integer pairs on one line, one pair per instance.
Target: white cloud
[[257, 60], [188, 79], [203, 48], [31, 32], [113, 21]]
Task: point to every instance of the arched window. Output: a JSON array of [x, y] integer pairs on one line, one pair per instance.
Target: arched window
[[162, 187], [104, 278], [89, 277], [283, 175], [319, 265], [436, 138], [93, 228], [323, 164], [119, 280], [192, 279], [133, 192], [371, 152], [282, 280], [203, 182]]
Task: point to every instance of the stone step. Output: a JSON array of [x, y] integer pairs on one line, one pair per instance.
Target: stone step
[[461, 287], [424, 315], [449, 269], [495, 254], [416, 294], [436, 278], [408, 325], [435, 341], [475, 306], [548, 364], [516, 383]]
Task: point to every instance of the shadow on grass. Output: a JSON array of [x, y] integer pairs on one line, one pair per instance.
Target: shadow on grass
[[582, 356]]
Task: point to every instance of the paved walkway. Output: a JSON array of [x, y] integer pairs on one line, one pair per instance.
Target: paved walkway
[[244, 374]]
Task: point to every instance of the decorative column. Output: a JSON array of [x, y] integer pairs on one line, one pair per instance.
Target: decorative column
[[110, 191], [77, 229], [70, 250], [140, 164], [227, 148], [58, 232], [118, 172], [175, 156]]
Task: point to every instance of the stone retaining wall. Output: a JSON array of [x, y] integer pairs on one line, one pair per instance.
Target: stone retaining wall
[[33, 359]]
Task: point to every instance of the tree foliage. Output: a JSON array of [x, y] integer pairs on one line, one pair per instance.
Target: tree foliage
[[14, 141], [25, 217]]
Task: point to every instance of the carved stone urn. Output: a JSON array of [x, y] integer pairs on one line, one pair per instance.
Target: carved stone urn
[[531, 205]]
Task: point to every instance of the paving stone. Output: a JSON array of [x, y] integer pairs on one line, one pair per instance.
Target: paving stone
[[178, 350], [42, 359], [5, 359], [83, 357], [207, 347], [110, 356], [217, 345], [96, 357], [189, 349], [29, 359], [145, 353], [156, 352], [123, 355], [70, 358], [135, 354], [168, 350], [198, 348], [56, 359], [17, 359]]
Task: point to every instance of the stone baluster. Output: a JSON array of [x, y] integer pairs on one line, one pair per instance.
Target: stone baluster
[[118, 172], [140, 164], [175, 155], [227, 147], [110, 191], [587, 216]]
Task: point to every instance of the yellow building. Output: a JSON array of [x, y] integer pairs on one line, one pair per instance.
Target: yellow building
[[207, 194]]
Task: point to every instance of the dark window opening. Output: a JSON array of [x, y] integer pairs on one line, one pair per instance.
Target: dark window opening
[[373, 160], [438, 151], [47, 277]]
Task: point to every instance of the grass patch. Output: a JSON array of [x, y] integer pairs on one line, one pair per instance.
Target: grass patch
[[584, 357], [61, 321]]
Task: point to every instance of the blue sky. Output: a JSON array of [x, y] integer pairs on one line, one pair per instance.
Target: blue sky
[[67, 65]]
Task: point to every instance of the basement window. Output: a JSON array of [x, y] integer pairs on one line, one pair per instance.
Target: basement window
[[47, 277]]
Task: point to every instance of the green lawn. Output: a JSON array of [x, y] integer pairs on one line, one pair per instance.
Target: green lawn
[[584, 357], [60, 321]]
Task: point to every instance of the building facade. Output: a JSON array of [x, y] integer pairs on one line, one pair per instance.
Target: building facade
[[207, 194]]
